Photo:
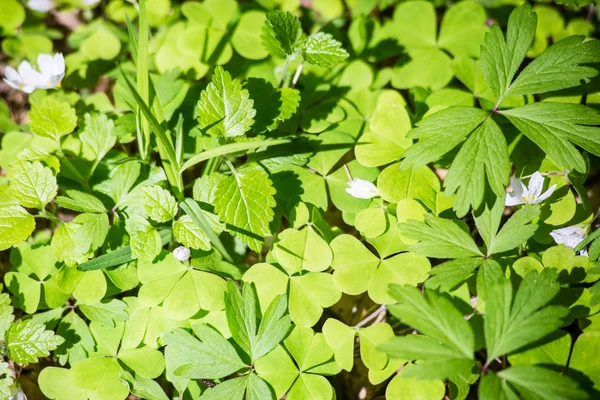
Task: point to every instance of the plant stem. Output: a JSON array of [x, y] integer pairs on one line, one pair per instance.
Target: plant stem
[[380, 310]]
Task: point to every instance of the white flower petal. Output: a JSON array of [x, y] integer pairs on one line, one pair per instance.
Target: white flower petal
[[536, 183], [512, 200], [546, 194], [362, 189], [518, 188], [39, 5], [182, 253], [570, 236]]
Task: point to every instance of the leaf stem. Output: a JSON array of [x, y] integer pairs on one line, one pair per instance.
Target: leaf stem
[[381, 310]]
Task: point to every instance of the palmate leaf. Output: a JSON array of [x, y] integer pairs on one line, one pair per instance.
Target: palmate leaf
[[439, 238], [556, 127], [538, 382], [225, 107], [484, 154], [560, 66], [440, 133], [257, 335], [212, 358], [323, 50], [435, 316], [500, 58], [511, 324], [245, 200], [26, 340]]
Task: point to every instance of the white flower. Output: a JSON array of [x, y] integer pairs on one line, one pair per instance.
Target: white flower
[[362, 189], [52, 68], [182, 253], [528, 195], [26, 79], [40, 5], [17, 394], [570, 236]]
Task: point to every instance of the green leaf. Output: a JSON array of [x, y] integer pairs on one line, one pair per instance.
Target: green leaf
[[27, 340], [80, 201], [183, 292], [439, 238], [554, 352], [246, 37], [118, 257], [52, 118], [211, 357], [282, 34], [92, 232], [309, 294], [144, 240], [557, 127], [6, 380], [303, 249], [64, 244], [273, 105], [245, 200], [494, 388], [340, 337], [55, 383], [233, 389], [583, 358], [144, 361], [405, 388], [6, 313], [441, 132], [79, 341], [463, 29], [542, 383], [107, 312], [32, 184], [121, 181], [560, 66], [323, 50], [500, 58], [189, 234], [98, 135], [414, 25], [420, 183], [385, 140], [435, 316], [100, 376], [436, 360], [483, 155], [224, 107], [449, 275], [511, 324], [278, 369], [516, 230], [16, 224], [13, 16], [159, 204], [371, 339]]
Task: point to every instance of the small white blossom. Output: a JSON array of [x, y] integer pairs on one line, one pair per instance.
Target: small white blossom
[[182, 253], [362, 189], [528, 195], [52, 68], [40, 5], [26, 78], [17, 394], [570, 236]]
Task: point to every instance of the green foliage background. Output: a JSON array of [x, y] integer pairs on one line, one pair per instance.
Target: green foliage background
[[234, 129]]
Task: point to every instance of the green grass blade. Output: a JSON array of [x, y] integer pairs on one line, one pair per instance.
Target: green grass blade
[[118, 257], [231, 148]]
